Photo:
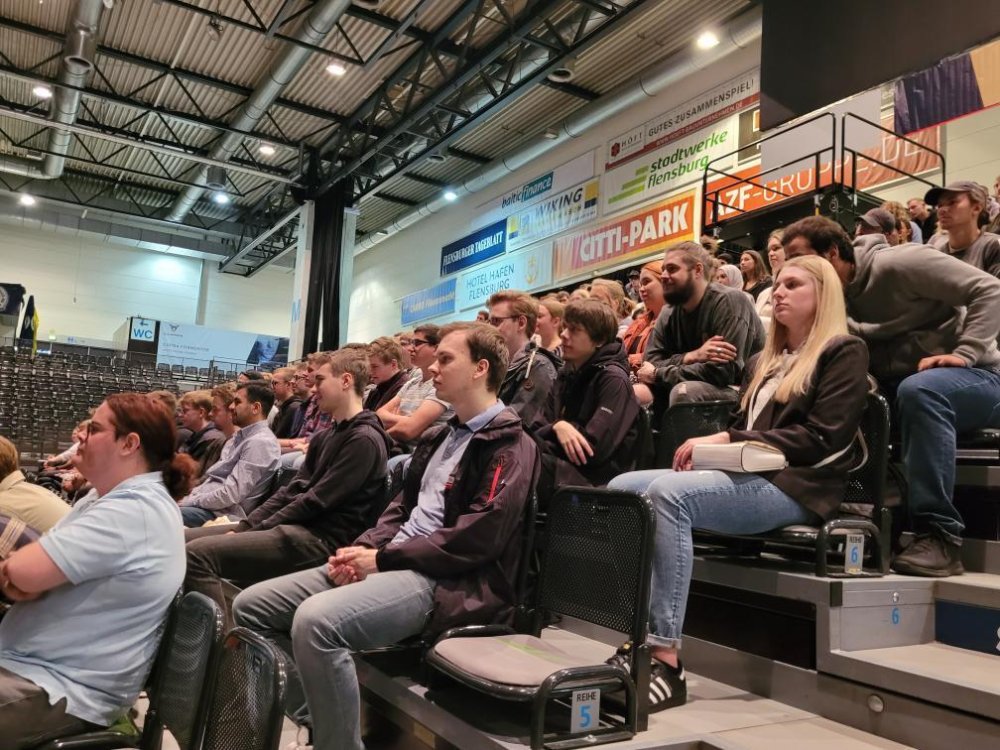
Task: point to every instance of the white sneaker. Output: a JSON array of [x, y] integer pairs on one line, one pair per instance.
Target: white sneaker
[[301, 740]]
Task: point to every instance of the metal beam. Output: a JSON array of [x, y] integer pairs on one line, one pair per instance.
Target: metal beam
[[246, 249], [164, 69], [90, 132], [262, 30]]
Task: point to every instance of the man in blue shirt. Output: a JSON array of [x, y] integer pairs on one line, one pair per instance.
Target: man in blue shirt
[[92, 593], [237, 482]]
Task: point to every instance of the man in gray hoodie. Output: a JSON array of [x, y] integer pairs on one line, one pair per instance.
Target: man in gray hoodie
[[931, 323]]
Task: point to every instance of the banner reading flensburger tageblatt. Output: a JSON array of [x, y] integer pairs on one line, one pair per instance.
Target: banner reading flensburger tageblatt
[[714, 105], [635, 235], [182, 344], [429, 303], [568, 209], [562, 177], [525, 271], [480, 246], [677, 164]]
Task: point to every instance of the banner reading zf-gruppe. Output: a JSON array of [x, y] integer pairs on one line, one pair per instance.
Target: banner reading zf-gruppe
[[429, 303], [481, 245], [636, 234]]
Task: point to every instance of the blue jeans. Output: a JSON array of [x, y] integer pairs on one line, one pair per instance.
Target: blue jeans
[[933, 407], [318, 624], [194, 517], [711, 500]]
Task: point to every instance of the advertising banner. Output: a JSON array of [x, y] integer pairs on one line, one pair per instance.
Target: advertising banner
[[562, 177], [633, 235], [525, 271], [665, 169], [710, 107], [429, 303], [480, 246], [182, 344], [11, 297], [563, 211]]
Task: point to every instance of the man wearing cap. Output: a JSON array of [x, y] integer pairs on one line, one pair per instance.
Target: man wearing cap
[[878, 221], [930, 322], [632, 288], [923, 216], [961, 210]]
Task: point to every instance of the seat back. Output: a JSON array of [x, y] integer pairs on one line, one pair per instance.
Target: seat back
[[683, 421], [248, 700], [867, 483], [177, 698], [598, 557]]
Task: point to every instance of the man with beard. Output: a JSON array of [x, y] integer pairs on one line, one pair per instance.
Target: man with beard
[[702, 340]]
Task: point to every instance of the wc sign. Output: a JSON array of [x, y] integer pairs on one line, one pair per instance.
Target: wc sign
[[143, 329]]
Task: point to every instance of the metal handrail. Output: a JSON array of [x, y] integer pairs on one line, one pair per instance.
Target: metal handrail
[[715, 203], [844, 149]]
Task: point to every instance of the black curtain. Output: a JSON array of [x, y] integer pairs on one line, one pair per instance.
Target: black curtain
[[324, 273]]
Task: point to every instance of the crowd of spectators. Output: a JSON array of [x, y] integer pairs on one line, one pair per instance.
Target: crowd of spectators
[[283, 480]]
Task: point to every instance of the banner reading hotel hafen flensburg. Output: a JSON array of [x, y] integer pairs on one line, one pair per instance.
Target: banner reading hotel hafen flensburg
[[192, 345], [475, 248]]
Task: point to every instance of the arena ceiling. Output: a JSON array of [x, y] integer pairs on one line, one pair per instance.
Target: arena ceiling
[[184, 137]]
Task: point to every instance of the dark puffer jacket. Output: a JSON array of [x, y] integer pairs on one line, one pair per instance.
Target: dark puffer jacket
[[474, 557]]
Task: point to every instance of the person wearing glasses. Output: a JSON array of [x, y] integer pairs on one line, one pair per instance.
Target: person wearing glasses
[[416, 407], [91, 595], [532, 370]]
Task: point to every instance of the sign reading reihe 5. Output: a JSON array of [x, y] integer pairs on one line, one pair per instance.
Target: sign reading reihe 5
[[641, 233], [481, 245]]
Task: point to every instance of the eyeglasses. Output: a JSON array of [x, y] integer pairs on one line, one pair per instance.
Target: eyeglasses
[[497, 320], [419, 342]]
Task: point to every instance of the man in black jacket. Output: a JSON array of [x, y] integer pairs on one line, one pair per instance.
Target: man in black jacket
[[532, 370], [287, 401], [590, 431], [195, 406], [325, 506], [444, 553], [703, 338]]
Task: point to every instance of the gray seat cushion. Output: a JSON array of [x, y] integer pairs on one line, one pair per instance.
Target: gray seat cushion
[[518, 659]]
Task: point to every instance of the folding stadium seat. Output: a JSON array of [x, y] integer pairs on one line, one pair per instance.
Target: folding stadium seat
[[596, 567]]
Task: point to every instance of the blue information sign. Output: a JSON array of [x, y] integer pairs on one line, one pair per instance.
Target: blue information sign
[[429, 303], [480, 246]]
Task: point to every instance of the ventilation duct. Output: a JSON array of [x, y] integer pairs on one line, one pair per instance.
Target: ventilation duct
[[75, 71], [741, 32], [313, 30]]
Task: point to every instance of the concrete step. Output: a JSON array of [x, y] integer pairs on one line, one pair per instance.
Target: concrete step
[[955, 677], [967, 612]]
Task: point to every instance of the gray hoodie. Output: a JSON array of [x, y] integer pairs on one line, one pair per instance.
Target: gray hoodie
[[913, 301]]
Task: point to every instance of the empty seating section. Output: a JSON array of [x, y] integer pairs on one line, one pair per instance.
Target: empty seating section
[[42, 398]]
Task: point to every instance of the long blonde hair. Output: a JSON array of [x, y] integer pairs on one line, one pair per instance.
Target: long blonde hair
[[830, 321]]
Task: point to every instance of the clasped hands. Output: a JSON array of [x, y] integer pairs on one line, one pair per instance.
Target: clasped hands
[[12, 592], [351, 564]]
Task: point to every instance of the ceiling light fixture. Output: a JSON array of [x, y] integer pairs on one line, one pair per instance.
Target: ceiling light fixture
[[707, 40], [450, 195], [27, 200], [550, 134], [336, 69], [214, 28], [42, 92], [437, 157], [265, 149], [221, 198]]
